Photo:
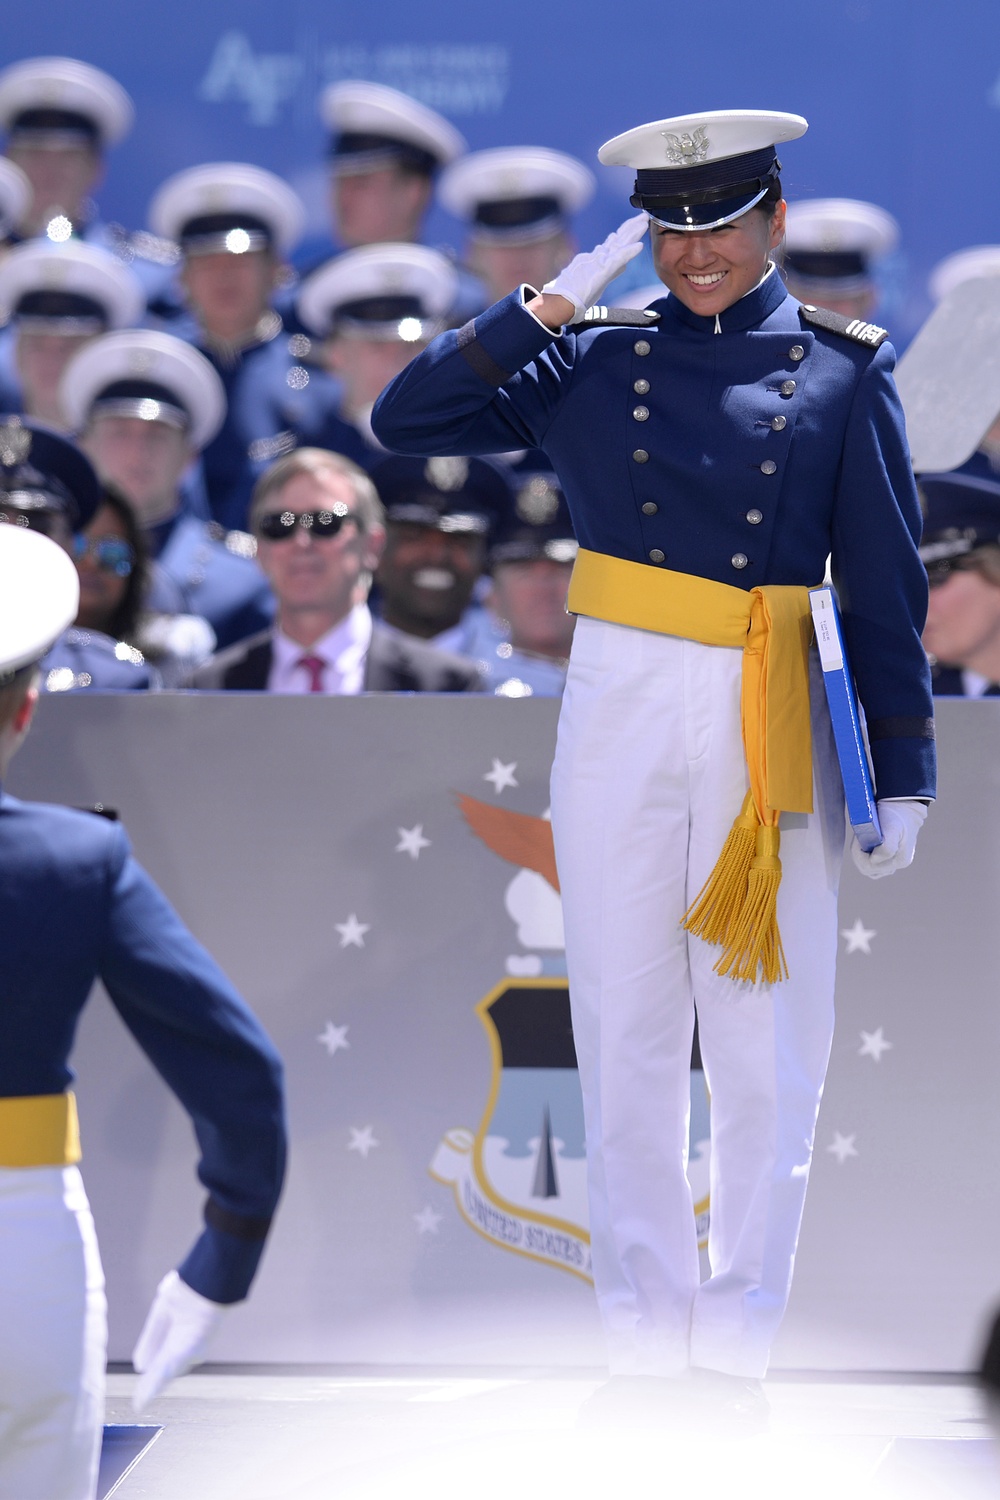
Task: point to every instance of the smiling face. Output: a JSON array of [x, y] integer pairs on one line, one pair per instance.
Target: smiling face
[[709, 270]]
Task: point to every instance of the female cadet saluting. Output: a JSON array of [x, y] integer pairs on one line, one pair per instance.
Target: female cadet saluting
[[713, 454]]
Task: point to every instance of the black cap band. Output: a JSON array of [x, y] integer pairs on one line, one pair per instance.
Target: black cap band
[[826, 265], [57, 305], [381, 149], [211, 227], [56, 122]]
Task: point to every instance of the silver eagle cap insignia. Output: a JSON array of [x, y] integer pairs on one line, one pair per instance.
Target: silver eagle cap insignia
[[687, 147]]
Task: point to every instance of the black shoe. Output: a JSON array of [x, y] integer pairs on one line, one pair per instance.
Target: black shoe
[[660, 1402], [732, 1405]]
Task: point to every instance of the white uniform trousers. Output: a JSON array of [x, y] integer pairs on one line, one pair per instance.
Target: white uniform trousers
[[648, 777], [53, 1337]]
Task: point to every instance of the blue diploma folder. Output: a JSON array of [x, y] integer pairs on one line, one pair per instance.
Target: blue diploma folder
[[852, 752]]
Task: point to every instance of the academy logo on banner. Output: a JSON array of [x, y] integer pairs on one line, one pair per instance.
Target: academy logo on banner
[[520, 1179]]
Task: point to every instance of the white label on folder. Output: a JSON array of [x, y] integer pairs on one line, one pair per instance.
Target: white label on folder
[[831, 655]]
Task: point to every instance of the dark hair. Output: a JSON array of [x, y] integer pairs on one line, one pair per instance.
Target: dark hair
[[772, 197], [123, 622]]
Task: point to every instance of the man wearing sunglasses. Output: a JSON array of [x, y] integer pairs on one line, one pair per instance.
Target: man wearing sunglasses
[[960, 549], [47, 485], [320, 530]]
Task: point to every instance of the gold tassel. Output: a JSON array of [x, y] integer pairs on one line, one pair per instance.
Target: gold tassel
[[755, 942], [716, 909]]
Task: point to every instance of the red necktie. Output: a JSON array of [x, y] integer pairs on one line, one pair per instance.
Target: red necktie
[[314, 665]]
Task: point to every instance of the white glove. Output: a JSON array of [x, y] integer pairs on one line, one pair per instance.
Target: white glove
[[588, 273], [173, 1338], [901, 822]]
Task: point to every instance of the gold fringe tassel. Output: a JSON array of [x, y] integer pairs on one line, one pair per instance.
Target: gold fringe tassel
[[737, 907], [755, 946], [716, 909]]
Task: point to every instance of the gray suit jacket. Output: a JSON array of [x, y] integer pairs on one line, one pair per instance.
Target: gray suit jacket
[[395, 664]]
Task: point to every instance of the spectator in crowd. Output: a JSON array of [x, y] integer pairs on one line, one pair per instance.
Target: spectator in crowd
[[516, 202], [320, 529], [57, 297], [48, 485], [531, 560], [440, 516], [112, 560], [145, 405], [960, 548], [831, 253], [373, 309], [60, 116], [77, 907], [15, 195], [235, 225], [385, 151]]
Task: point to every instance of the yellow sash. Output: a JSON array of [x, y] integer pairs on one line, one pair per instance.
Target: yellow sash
[[41, 1130], [772, 625]]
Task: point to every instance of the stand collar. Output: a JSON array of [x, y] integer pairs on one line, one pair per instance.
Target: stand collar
[[748, 312]]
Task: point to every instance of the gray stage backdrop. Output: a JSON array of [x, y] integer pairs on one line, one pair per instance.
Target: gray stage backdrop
[[412, 978]]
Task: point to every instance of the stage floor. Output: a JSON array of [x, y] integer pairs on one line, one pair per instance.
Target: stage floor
[[370, 1434]]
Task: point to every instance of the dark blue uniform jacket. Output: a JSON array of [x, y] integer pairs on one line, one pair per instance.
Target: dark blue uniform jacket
[[76, 906], [746, 456]]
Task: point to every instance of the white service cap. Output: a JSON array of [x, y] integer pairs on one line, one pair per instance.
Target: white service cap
[[227, 206], [148, 375], [53, 95], [697, 172], [515, 193], [962, 266], [390, 291], [39, 596], [373, 124], [66, 287]]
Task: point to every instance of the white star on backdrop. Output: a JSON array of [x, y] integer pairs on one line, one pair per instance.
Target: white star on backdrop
[[362, 1140], [352, 932], [501, 775], [873, 1044], [333, 1037], [858, 938], [411, 841], [842, 1146], [427, 1221]]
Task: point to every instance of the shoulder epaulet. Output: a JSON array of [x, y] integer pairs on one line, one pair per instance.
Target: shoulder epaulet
[[857, 329], [618, 317]]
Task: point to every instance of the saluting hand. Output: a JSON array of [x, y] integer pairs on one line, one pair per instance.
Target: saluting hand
[[581, 283]]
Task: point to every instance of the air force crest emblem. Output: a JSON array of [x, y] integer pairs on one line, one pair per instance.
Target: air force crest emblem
[[519, 1180], [686, 148]]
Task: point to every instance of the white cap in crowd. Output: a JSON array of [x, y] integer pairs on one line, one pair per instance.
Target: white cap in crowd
[[39, 596], [227, 207], [147, 375], [964, 265], [515, 194], [374, 126], [834, 242], [70, 288], [386, 291], [61, 101]]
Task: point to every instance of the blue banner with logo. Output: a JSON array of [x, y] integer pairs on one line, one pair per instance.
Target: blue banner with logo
[[903, 96]]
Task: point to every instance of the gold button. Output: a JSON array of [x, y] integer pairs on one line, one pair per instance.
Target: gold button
[[739, 559], [641, 456], [641, 346], [641, 413], [650, 508], [768, 466], [755, 517], [796, 352], [787, 387], [656, 555], [641, 387], [779, 423]]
